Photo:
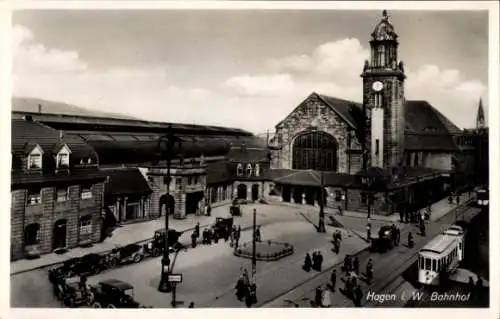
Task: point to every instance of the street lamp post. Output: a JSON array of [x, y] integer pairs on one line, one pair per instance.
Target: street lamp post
[[321, 223], [253, 284], [170, 141]]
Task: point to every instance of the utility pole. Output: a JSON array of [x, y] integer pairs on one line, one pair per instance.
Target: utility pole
[[252, 291], [169, 141], [321, 223]]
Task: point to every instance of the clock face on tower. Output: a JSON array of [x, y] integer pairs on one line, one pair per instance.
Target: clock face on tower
[[377, 86]]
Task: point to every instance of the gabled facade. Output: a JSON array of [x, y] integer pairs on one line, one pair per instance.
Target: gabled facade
[[56, 199]]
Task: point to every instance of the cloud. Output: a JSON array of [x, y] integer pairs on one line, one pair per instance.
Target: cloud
[[250, 101], [333, 68]]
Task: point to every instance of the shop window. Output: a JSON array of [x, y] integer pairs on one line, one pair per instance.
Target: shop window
[[249, 170], [86, 225], [86, 192], [34, 196], [239, 170], [31, 233], [62, 194]]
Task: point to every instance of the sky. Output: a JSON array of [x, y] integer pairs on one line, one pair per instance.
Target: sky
[[240, 68]]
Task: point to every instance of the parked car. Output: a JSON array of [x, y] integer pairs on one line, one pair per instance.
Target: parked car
[[156, 246], [73, 291], [223, 226], [113, 293], [90, 264], [67, 269], [131, 253]]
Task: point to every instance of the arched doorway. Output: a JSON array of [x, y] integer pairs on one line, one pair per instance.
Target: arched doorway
[[286, 193], [59, 235], [255, 192], [310, 195], [167, 204], [297, 195], [315, 150], [242, 191]]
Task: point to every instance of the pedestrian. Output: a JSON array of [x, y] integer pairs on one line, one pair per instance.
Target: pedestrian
[[215, 235], [197, 230], [450, 199], [307, 263], [358, 295], [340, 210], [458, 199], [314, 259], [369, 271], [209, 236], [239, 232], [356, 265], [209, 210], [470, 286], [205, 236], [318, 296], [333, 279], [346, 263], [320, 261], [193, 239], [326, 299], [257, 234], [191, 305], [336, 246]]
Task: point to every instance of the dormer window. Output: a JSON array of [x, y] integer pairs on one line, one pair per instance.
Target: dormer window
[[239, 170], [63, 157], [35, 158], [257, 170], [249, 170]]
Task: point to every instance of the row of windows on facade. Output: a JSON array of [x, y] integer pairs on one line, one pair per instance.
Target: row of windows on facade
[[32, 231], [34, 196], [249, 170], [35, 158], [437, 265], [191, 180]]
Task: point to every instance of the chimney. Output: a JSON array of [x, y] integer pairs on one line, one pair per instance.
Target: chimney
[[39, 108]]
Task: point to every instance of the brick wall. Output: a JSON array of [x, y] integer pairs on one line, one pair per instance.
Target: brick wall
[[49, 212], [298, 122]]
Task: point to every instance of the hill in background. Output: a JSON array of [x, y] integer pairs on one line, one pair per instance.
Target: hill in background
[[31, 105]]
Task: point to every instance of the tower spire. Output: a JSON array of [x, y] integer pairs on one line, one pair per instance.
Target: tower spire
[[480, 122]]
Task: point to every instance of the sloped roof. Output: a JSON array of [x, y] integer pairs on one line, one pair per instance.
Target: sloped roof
[[26, 133], [243, 154], [309, 178], [217, 172], [426, 128], [126, 181]]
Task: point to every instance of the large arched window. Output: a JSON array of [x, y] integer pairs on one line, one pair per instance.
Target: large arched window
[[315, 150]]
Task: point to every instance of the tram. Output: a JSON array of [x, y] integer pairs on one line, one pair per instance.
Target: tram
[[482, 197], [457, 232], [440, 255]]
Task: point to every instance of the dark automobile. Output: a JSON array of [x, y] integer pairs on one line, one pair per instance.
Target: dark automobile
[[388, 237], [126, 254], [69, 268], [157, 245], [90, 264], [113, 293], [223, 226], [73, 291], [235, 209]]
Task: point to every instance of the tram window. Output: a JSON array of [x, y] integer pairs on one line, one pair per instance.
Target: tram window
[[427, 264], [434, 266]]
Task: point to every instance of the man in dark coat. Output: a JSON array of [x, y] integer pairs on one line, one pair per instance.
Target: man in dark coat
[[193, 239], [333, 279], [320, 261], [356, 265], [318, 296], [358, 295], [307, 263], [197, 230], [257, 234]]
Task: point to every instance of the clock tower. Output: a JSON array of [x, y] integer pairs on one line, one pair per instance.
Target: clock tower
[[383, 99]]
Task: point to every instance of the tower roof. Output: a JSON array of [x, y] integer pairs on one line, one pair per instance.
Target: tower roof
[[480, 115], [384, 30]]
